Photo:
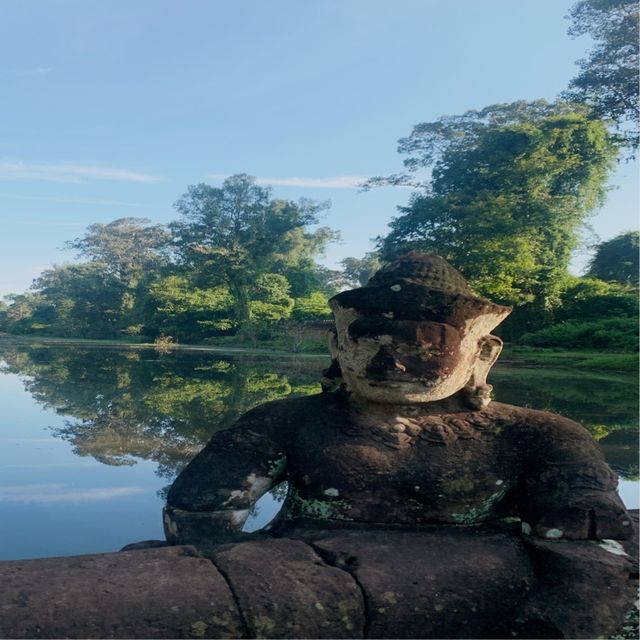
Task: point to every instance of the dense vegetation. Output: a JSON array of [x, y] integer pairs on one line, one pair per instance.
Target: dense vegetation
[[504, 193], [139, 404], [238, 262]]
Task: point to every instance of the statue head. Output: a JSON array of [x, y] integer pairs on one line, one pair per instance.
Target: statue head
[[416, 333]]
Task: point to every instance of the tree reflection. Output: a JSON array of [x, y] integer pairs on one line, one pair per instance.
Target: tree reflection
[[124, 405], [605, 403]]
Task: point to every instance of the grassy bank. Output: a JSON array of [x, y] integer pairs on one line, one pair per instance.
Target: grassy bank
[[594, 360], [224, 346]]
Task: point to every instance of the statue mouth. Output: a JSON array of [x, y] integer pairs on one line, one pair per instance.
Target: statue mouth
[[396, 380]]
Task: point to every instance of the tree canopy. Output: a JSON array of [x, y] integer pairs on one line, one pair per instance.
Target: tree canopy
[[509, 189], [608, 80], [126, 247], [237, 259], [236, 233], [616, 260]]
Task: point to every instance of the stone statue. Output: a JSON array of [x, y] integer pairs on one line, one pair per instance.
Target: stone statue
[[457, 516]]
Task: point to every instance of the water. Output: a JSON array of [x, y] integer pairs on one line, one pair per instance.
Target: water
[[91, 438]]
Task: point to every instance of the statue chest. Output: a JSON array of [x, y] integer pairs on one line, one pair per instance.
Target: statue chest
[[371, 475]]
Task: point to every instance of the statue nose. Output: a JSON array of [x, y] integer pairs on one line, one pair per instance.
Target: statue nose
[[384, 362]]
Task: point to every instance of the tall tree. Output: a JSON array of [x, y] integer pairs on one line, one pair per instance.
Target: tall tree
[[234, 233], [79, 300], [510, 188], [616, 260], [608, 80], [357, 271], [126, 247]]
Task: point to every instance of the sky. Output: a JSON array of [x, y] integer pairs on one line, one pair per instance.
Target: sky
[[111, 109]]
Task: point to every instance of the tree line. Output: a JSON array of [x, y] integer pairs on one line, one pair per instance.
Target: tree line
[[236, 262], [504, 193]]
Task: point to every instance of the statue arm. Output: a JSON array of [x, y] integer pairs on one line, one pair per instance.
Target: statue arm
[[211, 499], [567, 490], [571, 510]]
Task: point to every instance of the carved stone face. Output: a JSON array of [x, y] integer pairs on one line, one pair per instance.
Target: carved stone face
[[406, 361]]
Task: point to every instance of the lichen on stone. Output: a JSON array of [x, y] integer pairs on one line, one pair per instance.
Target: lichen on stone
[[480, 512]]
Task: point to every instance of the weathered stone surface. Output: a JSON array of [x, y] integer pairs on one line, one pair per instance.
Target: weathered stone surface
[[170, 592], [285, 590], [593, 580], [439, 583], [145, 544], [406, 435]]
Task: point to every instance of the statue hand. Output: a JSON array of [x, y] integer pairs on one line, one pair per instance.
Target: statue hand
[[207, 529]]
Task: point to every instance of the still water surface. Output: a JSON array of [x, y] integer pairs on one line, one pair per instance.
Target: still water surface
[[91, 438]]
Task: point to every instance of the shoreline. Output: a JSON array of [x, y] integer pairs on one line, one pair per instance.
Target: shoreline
[[610, 362]]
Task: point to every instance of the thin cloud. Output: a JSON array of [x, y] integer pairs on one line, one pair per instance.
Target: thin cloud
[[47, 493], [106, 203], [333, 182], [11, 171], [32, 71]]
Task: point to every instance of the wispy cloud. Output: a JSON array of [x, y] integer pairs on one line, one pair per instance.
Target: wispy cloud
[[63, 493], [31, 71], [333, 182], [68, 173], [98, 201]]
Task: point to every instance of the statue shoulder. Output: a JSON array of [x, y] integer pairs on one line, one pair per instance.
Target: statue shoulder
[[537, 423], [278, 414]]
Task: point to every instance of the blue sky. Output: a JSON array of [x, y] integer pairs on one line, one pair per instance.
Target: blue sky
[[110, 109]]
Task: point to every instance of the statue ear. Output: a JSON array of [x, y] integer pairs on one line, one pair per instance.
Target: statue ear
[[477, 392], [332, 341], [490, 348]]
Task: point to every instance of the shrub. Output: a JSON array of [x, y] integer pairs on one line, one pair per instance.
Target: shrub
[[608, 334]]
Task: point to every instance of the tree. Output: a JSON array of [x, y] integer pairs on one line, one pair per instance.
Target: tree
[[616, 260], [608, 80], [270, 299], [233, 234], [509, 190], [126, 247], [79, 300], [173, 306], [312, 307], [357, 272], [18, 315]]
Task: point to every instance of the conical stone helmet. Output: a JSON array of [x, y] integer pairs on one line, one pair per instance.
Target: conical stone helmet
[[420, 286]]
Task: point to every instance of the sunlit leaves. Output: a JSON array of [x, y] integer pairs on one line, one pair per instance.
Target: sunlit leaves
[[510, 188]]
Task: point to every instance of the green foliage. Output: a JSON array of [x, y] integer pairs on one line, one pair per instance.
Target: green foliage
[[608, 78], [511, 186], [592, 299], [614, 334], [233, 234], [270, 299], [311, 307], [78, 300], [173, 306], [233, 264], [617, 259], [126, 248], [357, 272]]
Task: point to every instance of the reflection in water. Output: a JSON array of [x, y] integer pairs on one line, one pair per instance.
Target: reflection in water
[[605, 403], [123, 404], [59, 492]]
